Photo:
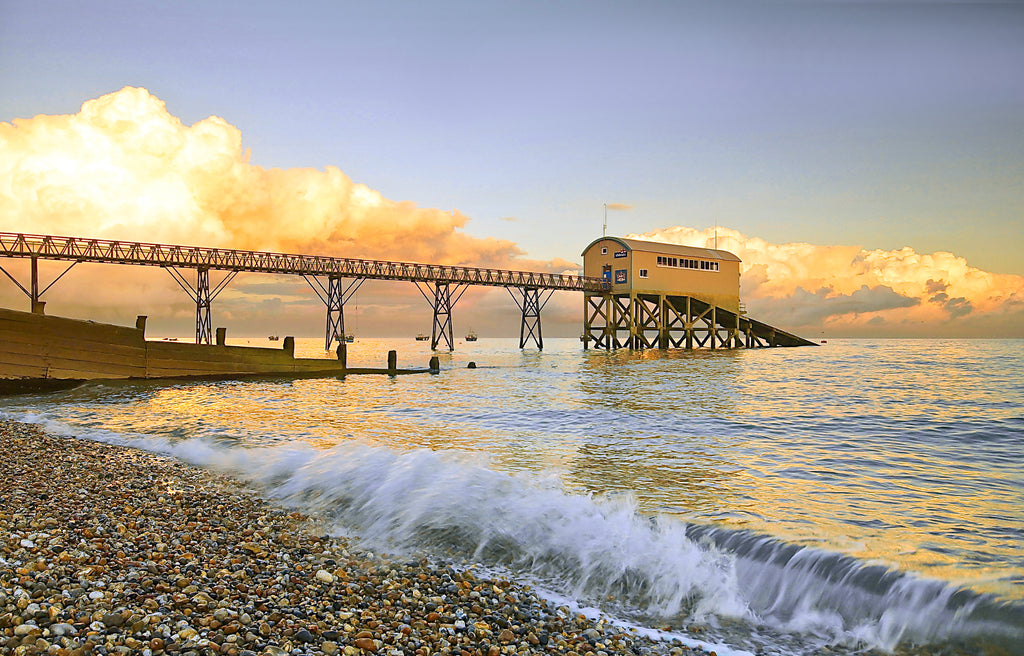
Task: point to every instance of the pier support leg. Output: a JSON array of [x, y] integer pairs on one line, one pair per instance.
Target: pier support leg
[[632, 342], [442, 325], [334, 296], [585, 335], [597, 321], [714, 328], [530, 306], [37, 307], [335, 312], [689, 325], [203, 297], [442, 300], [664, 337], [529, 327], [204, 325]]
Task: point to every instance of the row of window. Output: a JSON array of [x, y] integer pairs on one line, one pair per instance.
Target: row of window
[[684, 263]]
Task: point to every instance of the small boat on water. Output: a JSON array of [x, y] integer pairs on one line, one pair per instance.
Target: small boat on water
[[344, 337], [273, 337], [471, 336], [420, 337]]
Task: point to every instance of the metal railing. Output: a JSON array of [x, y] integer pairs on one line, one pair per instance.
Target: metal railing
[[81, 249]]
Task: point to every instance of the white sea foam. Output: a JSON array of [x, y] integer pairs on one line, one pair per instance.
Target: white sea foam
[[598, 551]]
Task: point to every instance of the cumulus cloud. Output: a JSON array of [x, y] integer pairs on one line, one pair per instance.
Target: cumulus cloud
[[807, 308], [853, 291], [125, 168]]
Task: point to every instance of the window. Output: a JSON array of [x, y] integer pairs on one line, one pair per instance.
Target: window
[[686, 263], [642, 273], [604, 251]]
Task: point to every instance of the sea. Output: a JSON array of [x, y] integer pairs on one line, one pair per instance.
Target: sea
[[855, 497]]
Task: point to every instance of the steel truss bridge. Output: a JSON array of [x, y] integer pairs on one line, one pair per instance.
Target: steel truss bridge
[[442, 286]]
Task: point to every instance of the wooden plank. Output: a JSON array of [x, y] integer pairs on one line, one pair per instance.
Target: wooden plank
[[89, 330], [45, 345], [16, 370], [53, 360]]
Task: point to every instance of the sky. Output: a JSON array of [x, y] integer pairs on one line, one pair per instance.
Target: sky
[[865, 159]]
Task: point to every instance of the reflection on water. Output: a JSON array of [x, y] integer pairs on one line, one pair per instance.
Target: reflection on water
[[905, 453]]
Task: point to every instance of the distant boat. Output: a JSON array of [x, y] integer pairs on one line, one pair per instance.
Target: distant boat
[[170, 339], [471, 336], [350, 338], [420, 337], [273, 338]]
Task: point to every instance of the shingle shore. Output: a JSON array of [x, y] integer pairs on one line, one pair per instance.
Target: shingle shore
[[110, 550]]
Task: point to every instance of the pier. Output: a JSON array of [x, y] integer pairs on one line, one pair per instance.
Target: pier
[[645, 321], [616, 316]]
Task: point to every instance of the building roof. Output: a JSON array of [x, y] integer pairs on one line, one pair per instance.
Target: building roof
[[669, 249]]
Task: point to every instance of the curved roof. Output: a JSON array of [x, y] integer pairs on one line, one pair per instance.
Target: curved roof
[[668, 249]]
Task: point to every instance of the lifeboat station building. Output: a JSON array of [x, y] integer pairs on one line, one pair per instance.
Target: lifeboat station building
[[669, 296]]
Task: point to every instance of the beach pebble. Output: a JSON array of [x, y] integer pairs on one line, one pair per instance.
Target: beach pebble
[[165, 559], [112, 620]]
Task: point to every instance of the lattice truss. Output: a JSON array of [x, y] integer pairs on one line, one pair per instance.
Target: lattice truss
[[441, 285], [644, 321]]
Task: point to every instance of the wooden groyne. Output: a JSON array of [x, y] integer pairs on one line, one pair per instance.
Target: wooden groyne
[[40, 352]]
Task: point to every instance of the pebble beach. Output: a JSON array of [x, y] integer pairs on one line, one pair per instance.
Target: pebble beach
[[109, 550]]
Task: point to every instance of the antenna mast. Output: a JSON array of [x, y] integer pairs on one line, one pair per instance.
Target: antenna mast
[[604, 230]]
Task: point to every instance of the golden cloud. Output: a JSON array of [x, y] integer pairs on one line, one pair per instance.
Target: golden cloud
[[853, 291], [125, 168]]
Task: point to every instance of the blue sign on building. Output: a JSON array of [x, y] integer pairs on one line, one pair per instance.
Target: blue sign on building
[[620, 277]]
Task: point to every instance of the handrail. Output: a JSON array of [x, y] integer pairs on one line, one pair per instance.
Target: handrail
[[81, 249]]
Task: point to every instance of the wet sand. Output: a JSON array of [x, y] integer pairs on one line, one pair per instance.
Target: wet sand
[[109, 550]]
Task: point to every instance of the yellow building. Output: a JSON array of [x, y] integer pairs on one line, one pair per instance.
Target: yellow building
[[647, 267]]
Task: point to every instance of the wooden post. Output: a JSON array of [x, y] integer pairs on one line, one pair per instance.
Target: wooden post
[[663, 337], [714, 327], [222, 336], [392, 362]]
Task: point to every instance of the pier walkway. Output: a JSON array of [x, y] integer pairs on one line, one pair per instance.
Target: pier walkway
[[441, 285]]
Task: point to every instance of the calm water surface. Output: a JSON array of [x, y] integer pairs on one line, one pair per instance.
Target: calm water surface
[[865, 495]]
